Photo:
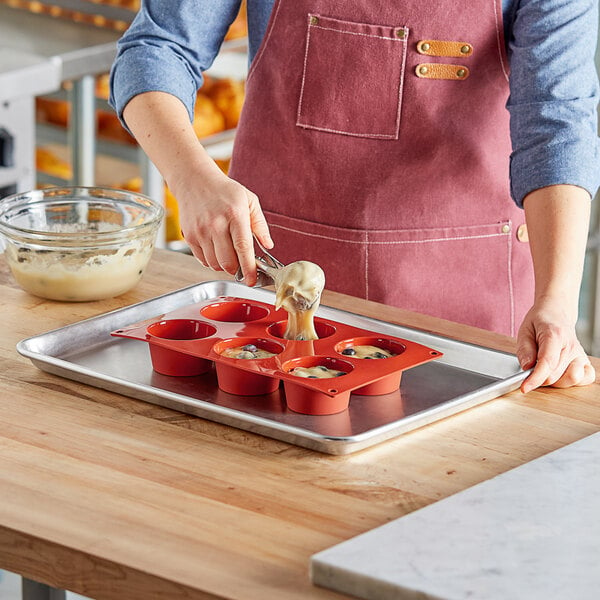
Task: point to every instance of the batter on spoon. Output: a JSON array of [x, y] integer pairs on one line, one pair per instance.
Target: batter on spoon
[[298, 288]]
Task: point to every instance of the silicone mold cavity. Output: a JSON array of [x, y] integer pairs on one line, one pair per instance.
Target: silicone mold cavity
[[323, 329], [168, 361], [314, 402], [234, 312]]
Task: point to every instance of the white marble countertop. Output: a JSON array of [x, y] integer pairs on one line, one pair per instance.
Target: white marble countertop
[[531, 533]]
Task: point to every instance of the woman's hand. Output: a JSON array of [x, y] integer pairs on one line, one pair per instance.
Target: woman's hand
[[557, 220], [218, 217], [547, 342]]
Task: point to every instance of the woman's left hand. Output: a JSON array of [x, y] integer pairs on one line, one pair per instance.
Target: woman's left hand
[[558, 219], [547, 341]]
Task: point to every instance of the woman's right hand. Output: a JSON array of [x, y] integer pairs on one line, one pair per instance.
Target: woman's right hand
[[218, 217]]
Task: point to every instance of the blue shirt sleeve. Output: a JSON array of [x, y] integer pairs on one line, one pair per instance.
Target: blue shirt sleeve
[[553, 94], [553, 81], [167, 47]]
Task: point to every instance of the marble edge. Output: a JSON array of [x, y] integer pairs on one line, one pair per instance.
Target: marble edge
[[323, 573]]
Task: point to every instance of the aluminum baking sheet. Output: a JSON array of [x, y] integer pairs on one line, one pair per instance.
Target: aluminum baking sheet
[[465, 376]]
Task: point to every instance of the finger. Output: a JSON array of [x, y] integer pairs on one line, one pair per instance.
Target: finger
[[572, 361], [548, 359], [243, 245], [210, 241], [570, 364], [225, 253], [573, 373], [526, 348], [579, 372], [589, 376], [258, 223], [536, 378], [193, 240], [550, 348], [210, 257], [197, 252]]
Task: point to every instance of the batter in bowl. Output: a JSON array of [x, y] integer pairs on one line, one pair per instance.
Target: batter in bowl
[[80, 277]]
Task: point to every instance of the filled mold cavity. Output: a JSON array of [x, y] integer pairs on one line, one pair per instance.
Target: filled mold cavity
[[248, 348], [373, 348], [302, 399], [369, 347], [242, 374]]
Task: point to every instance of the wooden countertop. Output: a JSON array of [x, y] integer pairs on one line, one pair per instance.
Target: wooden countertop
[[115, 498]]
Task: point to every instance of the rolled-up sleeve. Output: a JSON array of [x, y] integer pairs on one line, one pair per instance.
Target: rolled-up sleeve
[[553, 95], [167, 47]]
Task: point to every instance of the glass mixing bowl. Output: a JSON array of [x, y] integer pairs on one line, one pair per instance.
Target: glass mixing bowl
[[78, 243]]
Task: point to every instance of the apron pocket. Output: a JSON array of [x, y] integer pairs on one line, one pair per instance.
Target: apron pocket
[[352, 78], [462, 273], [473, 274], [340, 251]]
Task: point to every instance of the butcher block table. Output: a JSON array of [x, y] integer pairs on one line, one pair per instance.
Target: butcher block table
[[115, 498]]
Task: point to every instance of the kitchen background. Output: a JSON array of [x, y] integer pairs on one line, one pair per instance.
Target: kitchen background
[[75, 137]]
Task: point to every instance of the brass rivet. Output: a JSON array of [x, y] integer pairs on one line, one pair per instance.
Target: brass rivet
[[522, 233], [465, 49], [314, 20], [505, 228], [425, 47], [461, 73], [401, 33], [423, 70]]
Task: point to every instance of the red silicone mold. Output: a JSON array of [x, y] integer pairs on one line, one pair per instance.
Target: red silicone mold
[[234, 379], [316, 402], [188, 340], [172, 362], [385, 385]]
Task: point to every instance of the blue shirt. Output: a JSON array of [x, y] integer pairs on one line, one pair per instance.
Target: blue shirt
[[553, 81]]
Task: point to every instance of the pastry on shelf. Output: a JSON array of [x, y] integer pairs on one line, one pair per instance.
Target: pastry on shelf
[[223, 164], [52, 110], [103, 86], [228, 96], [172, 229], [239, 28], [48, 162], [110, 128], [208, 119]]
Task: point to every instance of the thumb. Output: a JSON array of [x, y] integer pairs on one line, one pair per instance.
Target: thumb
[[526, 348], [258, 223]]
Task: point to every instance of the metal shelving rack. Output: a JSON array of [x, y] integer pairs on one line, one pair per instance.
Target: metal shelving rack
[[22, 76], [80, 37]]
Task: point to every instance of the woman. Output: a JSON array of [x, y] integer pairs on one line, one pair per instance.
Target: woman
[[375, 141]]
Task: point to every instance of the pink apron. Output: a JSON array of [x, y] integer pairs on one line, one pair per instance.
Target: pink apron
[[376, 136]]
